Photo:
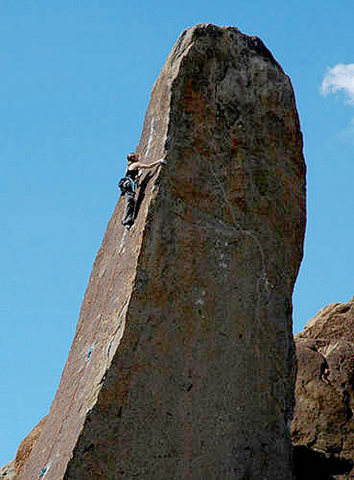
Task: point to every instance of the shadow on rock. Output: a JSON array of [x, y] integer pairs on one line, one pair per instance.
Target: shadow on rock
[[312, 465], [141, 195]]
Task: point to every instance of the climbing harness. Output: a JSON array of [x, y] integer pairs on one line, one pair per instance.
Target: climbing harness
[[126, 184]]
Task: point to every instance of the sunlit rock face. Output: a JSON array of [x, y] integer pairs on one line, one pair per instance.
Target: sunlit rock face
[[7, 472], [182, 365], [322, 428], [26, 446]]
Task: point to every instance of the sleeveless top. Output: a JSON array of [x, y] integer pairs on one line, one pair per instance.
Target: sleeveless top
[[132, 174]]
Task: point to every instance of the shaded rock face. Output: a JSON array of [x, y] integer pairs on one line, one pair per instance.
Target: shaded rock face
[[182, 365], [322, 428], [8, 471]]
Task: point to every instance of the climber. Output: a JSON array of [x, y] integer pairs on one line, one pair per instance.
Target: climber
[[127, 185]]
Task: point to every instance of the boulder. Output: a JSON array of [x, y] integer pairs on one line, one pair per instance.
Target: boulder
[[8, 471], [322, 428], [183, 361], [26, 446]]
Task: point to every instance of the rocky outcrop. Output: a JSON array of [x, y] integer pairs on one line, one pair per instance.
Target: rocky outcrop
[[322, 428], [182, 365], [8, 471], [26, 446]]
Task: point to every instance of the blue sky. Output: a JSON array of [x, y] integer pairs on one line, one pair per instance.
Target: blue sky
[[74, 86]]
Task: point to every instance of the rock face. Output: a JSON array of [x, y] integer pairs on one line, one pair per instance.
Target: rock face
[[26, 446], [8, 471], [322, 428], [182, 365]]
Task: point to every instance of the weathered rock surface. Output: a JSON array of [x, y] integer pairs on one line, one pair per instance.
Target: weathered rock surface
[[8, 471], [26, 446], [182, 365], [322, 428]]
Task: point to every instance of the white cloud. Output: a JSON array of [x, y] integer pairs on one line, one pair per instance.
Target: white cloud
[[340, 77]]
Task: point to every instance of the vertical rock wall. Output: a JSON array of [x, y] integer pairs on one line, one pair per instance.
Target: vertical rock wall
[[183, 360]]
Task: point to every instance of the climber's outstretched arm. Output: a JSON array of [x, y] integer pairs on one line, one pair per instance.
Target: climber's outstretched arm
[[136, 165]]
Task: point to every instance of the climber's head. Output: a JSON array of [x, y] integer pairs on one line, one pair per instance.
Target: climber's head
[[132, 157]]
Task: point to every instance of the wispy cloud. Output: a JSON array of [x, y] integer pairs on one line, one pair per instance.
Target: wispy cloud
[[347, 134], [340, 77]]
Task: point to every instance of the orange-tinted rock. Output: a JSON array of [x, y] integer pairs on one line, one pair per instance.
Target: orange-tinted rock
[[322, 428], [26, 446], [182, 365]]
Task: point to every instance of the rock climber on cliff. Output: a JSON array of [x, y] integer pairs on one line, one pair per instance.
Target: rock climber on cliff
[[127, 185]]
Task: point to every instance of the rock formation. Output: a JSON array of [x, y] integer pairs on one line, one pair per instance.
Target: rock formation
[[182, 365], [8, 471], [322, 428], [26, 446]]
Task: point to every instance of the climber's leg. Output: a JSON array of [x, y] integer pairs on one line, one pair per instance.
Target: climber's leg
[[128, 218]]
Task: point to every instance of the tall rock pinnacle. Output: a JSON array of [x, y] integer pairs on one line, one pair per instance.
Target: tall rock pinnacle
[[182, 365]]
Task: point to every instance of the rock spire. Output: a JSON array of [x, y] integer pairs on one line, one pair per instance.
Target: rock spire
[[182, 365]]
